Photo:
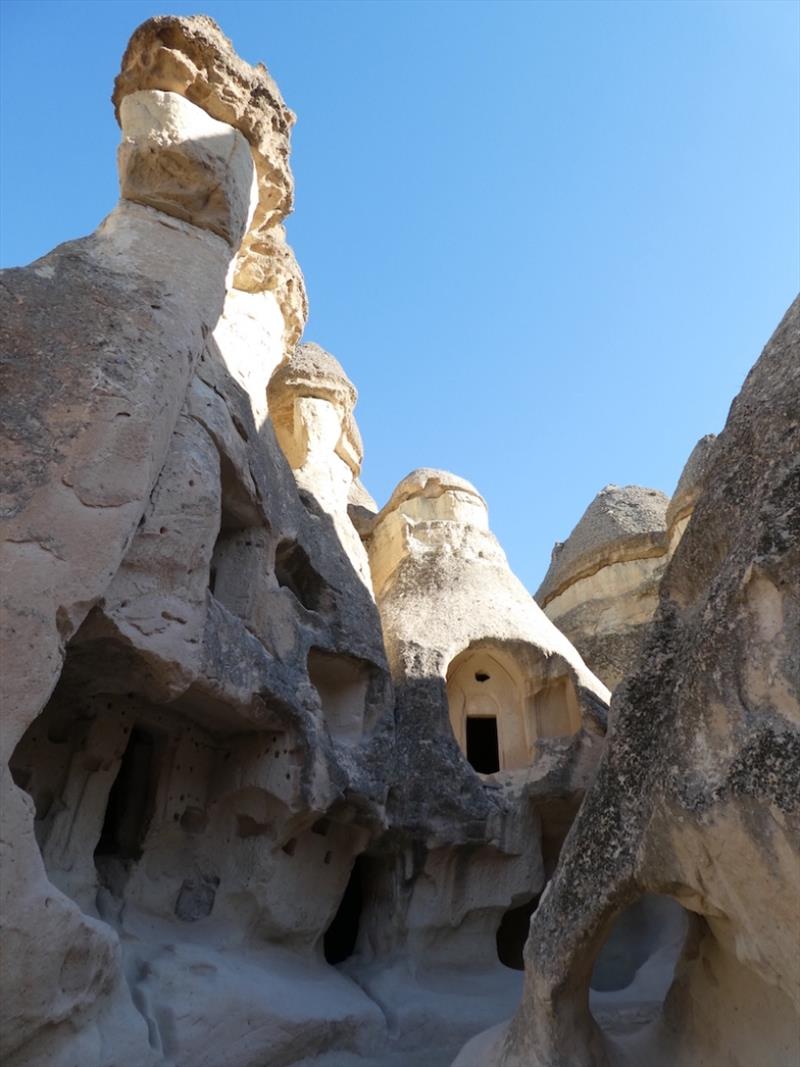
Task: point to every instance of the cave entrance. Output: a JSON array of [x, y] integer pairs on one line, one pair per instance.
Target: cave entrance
[[636, 965], [341, 936], [512, 933], [131, 801], [294, 572], [483, 751], [343, 684]]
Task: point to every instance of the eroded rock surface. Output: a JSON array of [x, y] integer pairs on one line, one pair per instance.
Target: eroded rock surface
[[698, 794], [284, 775], [499, 726], [311, 402], [205, 805], [601, 589], [194, 673]]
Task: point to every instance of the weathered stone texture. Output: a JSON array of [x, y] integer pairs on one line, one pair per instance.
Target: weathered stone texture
[[283, 774], [601, 588], [697, 794]]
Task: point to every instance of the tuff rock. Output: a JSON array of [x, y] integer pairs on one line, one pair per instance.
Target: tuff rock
[[601, 588], [287, 777], [697, 797]]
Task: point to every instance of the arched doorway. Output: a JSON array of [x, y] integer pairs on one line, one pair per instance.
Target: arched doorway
[[486, 704]]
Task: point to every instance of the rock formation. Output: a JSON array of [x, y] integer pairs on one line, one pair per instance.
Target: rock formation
[[687, 492], [195, 672], [199, 728], [698, 794], [499, 726], [283, 775], [601, 588], [311, 403]]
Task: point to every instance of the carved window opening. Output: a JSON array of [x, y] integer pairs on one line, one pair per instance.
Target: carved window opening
[[512, 933], [636, 965], [341, 936], [240, 556], [294, 572], [483, 751], [343, 686]]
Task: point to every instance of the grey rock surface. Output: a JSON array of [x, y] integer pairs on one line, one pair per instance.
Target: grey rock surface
[[698, 793]]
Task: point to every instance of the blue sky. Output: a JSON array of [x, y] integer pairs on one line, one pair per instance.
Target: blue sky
[[546, 240]]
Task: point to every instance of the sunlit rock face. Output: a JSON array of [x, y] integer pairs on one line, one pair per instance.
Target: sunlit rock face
[[499, 726], [698, 794], [197, 703], [311, 402], [601, 588], [445, 590], [688, 490], [199, 744], [286, 777]]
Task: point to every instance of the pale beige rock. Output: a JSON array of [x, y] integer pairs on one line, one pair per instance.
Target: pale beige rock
[[266, 263], [601, 588], [688, 490], [102, 338], [465, 640], [441, 578], [311, 402], [191, 57], [175, 746], [251, 337], [177, 159], [210, 790]]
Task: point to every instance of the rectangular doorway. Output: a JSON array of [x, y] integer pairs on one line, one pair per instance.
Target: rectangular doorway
[[482, 748]]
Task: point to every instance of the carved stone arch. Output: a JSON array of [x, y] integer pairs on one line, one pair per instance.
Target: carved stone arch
[[484, 682]]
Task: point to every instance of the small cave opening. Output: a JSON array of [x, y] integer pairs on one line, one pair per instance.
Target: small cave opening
[[130, 805], [294, 572], [483, 751], [343, 684], [555, 709], [240, 553], [512, 933], [636, 964], [341, 936]]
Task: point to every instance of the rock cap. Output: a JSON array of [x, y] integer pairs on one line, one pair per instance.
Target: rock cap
[[429, 482], [190, 55], [622, 522], [311, 371]]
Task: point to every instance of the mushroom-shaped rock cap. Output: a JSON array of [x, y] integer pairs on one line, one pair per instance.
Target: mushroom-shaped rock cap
[[692, 479], [427, 483], [311, 371], [620, 522], [190, 55]]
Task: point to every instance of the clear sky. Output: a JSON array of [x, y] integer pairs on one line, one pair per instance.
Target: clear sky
[[546, 240]]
